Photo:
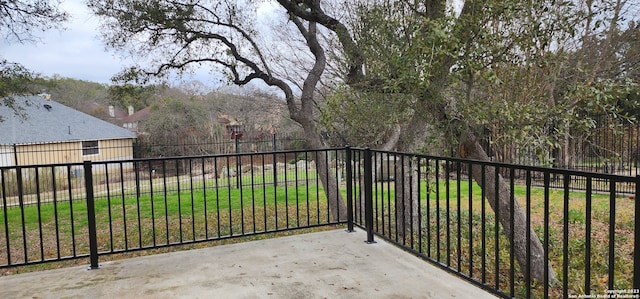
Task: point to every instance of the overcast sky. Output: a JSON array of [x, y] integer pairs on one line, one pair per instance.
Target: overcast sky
[[76, 52]]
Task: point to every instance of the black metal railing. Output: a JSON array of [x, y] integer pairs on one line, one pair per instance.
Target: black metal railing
[[440, 209], [611, 146], [436, 208], [69, 211]]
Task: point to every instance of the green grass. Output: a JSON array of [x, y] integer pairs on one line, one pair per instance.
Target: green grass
[[463, 215], [161, 217]]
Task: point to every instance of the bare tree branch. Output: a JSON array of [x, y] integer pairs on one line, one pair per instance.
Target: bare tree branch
[[20, 20]]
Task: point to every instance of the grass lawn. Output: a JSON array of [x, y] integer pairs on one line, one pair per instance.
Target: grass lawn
[[164, 216], [452, 216]]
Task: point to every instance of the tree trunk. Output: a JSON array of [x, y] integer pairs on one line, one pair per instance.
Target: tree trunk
[[382, 166], [337, 207], [403, 170], [304, 115], [501, 202], [431, 103], [569, 153], [407, 180], [407, 205]]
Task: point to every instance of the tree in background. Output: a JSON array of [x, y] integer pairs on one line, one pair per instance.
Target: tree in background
[[548, 101], [137, 96], [14, 79], [174, 126], [259, 112]]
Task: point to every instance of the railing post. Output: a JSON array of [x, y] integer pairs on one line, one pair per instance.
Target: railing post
[[273, 142], [91, 215], [20, 190], [349, 178], [636, 238], [238, 163], [136, 170], [15, 155], [368, 195], [275, 163]]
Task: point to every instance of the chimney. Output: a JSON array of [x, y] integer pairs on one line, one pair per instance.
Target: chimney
[[112, 111], [130, 109]]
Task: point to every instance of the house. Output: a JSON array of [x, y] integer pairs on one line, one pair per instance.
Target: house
[[47, 132], [133, 120], [110, 113], [232, 127]]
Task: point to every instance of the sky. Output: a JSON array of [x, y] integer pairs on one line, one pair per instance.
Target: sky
[[76, 52]]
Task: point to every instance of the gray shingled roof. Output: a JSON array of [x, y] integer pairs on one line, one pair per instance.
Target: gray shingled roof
[[58, 123]]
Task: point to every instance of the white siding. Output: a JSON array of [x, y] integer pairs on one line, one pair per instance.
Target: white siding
[[6, 156]]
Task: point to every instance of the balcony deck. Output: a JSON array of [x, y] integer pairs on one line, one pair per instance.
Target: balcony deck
[[331, 264]]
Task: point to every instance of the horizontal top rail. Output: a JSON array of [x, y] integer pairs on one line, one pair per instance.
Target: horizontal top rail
[[571, 172]]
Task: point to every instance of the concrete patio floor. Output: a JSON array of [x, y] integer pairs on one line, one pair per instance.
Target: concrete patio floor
[[331, 264]]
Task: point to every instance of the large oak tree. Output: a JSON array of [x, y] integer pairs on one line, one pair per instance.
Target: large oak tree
[[484, 64], [433, 47], [223, 36]]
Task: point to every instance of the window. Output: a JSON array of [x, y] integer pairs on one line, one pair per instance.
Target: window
[[130, 125], [90, 148]]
